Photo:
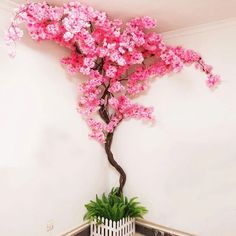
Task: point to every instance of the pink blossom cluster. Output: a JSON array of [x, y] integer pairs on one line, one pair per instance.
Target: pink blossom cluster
[[117, 59], [123, 106], [97, 128], [90, 101], [115, 120]]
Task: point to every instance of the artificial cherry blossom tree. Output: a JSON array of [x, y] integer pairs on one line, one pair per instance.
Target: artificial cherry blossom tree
[[118, 59]]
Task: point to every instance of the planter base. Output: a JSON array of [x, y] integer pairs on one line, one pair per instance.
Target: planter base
[[124, 227]]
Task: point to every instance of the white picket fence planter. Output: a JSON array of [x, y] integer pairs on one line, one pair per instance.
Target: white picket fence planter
[[124, 227]]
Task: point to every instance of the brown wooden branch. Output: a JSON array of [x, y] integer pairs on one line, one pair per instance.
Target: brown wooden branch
[[112, 161], [104, 114], [200, 62], [103, 109], [91, 28], [122, 180], [78, 50]]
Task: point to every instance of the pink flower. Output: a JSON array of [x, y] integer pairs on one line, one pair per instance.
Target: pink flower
[[213, 81], [13, 34], [89, 62], [54, 29], [68, 36], [143, 22], [111, 71], [136, 58], [116, 57], [97, 128], [148, 22], [115, 120], [114, 103], [116, 87], [73, 63], [172, 59], [129, 110]]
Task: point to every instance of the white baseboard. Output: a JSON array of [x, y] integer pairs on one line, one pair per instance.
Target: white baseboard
[[77, 230], [139, 222], [161, 228]]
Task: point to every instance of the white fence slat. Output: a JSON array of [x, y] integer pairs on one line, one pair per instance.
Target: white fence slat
[[118, 226], [115, 231], [123, 227], [91, 228], [106, 229]]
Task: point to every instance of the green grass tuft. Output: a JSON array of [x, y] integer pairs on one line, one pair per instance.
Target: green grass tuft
[[114, 207]]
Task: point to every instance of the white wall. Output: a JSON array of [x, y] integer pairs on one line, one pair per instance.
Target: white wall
[[48, 166], [184, 168]]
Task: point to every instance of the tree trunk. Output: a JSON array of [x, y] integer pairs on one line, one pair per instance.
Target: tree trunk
[[105, 117], [113, 162]]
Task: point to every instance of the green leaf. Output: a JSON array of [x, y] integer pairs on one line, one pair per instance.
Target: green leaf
[[114, 207]]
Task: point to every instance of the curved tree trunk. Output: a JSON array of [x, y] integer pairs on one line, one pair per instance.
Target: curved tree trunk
[[104, 114], [113, 162]]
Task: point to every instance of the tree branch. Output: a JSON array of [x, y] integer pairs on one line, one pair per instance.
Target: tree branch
[[112, 161], [77, 48], [105, 117]]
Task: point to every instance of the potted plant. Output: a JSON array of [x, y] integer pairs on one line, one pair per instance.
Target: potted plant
[[113, 213], [119, 61]]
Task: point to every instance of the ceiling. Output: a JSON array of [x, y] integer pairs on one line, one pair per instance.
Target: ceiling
[[171, 14]]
